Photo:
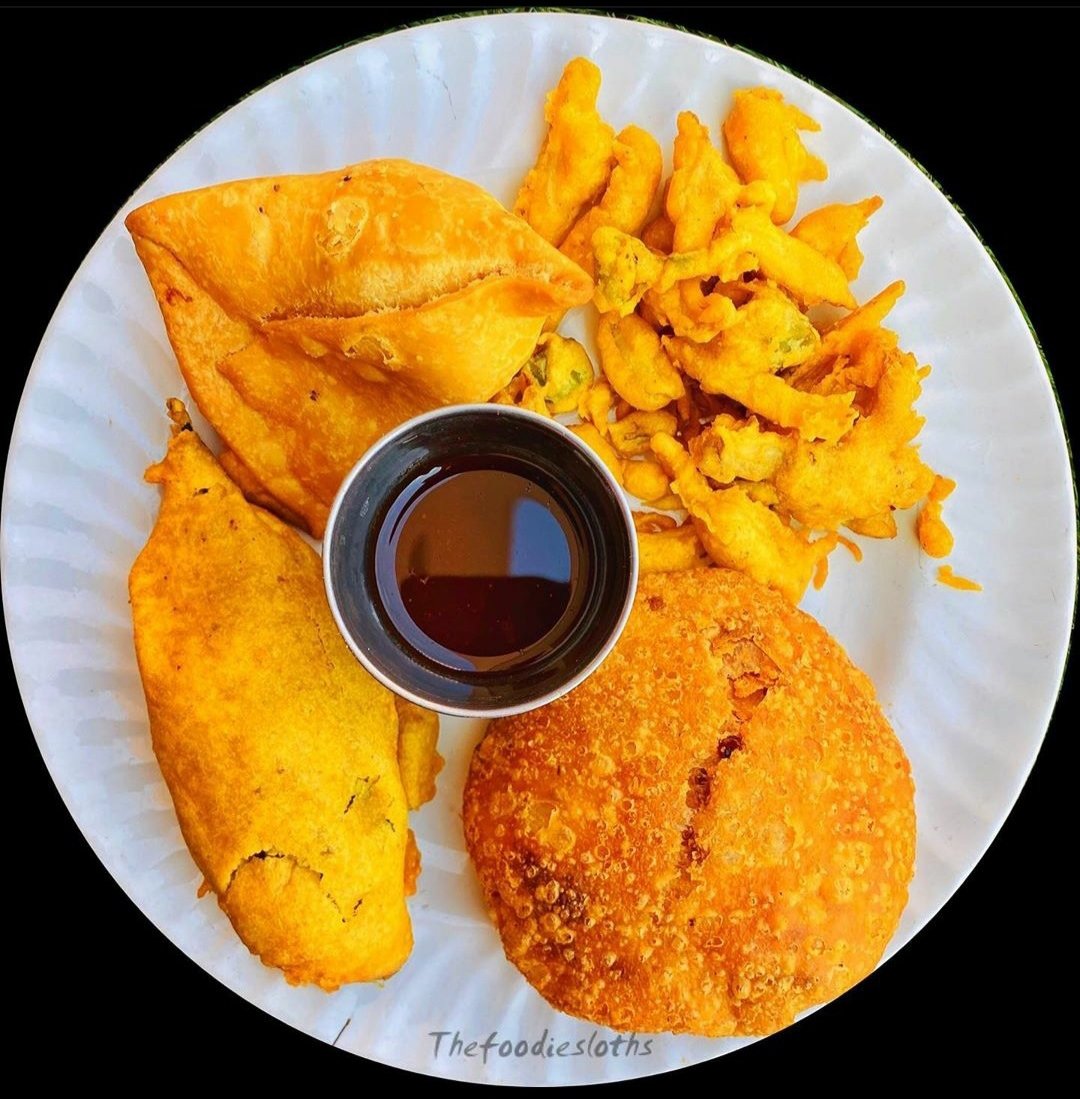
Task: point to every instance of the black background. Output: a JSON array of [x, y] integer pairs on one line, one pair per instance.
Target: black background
[[985, 99]]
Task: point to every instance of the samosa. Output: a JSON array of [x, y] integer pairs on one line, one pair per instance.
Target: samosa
[[310, 314]]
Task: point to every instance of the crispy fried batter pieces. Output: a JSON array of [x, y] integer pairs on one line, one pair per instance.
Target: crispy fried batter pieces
[[575, 162], [780, 423], [635, 364], [627, 199], [831, 230], [762, 134], [740, 532], [553, 381]]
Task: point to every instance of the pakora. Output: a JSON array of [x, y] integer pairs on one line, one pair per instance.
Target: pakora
[[280, 751]]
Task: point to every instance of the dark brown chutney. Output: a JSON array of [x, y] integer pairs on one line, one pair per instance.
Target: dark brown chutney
[[480, 559], [478, 566]]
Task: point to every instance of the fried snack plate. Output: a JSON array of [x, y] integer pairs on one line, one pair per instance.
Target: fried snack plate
[[969, 681]]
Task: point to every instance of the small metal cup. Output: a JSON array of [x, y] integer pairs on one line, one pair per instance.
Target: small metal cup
[[594, 501]]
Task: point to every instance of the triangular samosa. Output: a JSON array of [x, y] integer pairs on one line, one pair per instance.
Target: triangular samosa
[[312, 313]]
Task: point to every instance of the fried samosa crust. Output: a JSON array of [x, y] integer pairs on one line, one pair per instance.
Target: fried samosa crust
[[279, 750], [312, 313]]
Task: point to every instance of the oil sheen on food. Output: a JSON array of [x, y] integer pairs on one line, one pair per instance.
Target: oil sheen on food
[[476, 565]]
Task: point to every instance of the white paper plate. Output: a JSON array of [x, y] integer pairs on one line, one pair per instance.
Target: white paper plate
[[969, 681]]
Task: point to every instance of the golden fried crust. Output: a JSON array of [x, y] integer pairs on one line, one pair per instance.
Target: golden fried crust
[[376, 237], [293, 422], [311, 314], [575, 162], [279, 750], [418, 758], [248, 484], [711, 834]]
